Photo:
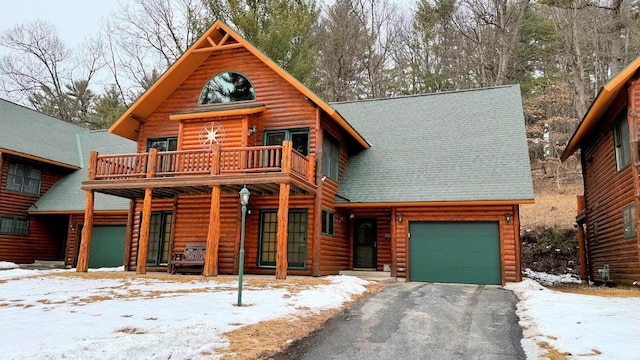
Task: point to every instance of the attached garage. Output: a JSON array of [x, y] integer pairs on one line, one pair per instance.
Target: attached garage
[[107, 246], [455, 252]]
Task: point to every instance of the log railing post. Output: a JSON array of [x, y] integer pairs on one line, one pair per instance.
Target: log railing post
[[152, 162], [215, 159], [143, 244], [93, 163], [311, 168], [283, 231], [213, 235], [286, 156], [85, 237]]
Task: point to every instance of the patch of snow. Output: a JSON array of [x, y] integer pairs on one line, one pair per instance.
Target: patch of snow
[[582, 325], [144, 317], [550, 279], [5, 265], [119, 268]]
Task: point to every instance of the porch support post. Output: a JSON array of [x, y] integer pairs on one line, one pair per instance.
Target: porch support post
[[87, 228], [394, 242], [516, 234], [315, 173], [283, 231], [143, 244], [213, 235]]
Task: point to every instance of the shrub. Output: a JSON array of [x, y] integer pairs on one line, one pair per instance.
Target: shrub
[[552, 250]]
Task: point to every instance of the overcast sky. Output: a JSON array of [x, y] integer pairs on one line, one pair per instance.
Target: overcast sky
[[74, 19]]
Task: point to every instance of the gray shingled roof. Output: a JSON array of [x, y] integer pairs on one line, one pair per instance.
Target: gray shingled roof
[[454, 146], [36, 134], [66, 195]]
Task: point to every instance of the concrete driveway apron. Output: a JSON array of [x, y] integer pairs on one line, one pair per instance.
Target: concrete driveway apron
[[421, 321]]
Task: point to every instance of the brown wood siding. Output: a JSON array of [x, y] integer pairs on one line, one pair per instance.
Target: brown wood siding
[[607, 192], [336, 251], [508, 232], [191, 223], [44, 241], [286, 107], [190, 136], [192, 220], [75, 223]]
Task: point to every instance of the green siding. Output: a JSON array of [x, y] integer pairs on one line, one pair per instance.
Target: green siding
[[455, 252], [107, 246]]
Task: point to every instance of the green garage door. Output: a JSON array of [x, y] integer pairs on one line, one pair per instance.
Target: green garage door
[[455, 252], [107, 246]]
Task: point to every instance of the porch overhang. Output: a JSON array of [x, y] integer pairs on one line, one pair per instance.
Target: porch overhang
[[170, 187]]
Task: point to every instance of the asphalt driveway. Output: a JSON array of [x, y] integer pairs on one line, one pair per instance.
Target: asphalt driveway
[[420, 321]]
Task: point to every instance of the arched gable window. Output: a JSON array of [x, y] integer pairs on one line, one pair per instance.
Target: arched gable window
[[226, 87]]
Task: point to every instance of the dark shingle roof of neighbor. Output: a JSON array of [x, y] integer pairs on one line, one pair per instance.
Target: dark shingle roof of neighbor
[[32, 133], [452, 146], [66, 195]]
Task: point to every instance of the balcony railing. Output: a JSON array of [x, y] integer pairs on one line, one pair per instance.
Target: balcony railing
[[217, 161]]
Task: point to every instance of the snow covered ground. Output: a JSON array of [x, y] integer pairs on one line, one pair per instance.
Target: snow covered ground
[[585, 326], [52, 317]]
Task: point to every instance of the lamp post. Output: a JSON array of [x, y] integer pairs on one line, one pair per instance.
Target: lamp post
[[244, 200]]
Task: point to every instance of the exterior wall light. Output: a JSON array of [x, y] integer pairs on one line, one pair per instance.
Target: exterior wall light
[[508, 217]]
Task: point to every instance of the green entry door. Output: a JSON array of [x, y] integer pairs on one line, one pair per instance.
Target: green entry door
[[455, 252], [107, 246]]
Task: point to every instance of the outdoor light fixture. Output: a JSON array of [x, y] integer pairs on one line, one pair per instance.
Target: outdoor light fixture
[[244, 200], [400, 218], [252, 131], [508, 217]]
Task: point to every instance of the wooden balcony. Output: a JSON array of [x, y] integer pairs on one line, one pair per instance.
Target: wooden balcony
[[195, 171]]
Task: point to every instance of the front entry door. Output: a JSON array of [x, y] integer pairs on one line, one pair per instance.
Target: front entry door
[[364, 243]]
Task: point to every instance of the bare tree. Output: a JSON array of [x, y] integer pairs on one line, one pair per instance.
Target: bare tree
[[43, 71]]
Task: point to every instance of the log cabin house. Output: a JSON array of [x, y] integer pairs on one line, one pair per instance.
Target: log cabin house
[[41, 204], [426, 188], [607, 138]]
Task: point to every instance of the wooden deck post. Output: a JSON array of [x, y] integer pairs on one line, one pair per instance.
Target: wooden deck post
[[151, 162], [311, 168], [143, 244], [213, 235], [394, 242], [286, 156], [215, 159], [87, 229], [315, 174], [283, 231]]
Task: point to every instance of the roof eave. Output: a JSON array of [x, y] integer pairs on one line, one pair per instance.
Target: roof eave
[[433, 203], [40, 159], [127, 124], [598, 107]]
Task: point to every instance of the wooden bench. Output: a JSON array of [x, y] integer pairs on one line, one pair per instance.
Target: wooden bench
[[190, 260]]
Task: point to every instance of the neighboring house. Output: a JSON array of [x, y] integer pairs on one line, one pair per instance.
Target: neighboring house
[[41, 204], [425, 187], [607, 138]]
